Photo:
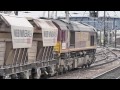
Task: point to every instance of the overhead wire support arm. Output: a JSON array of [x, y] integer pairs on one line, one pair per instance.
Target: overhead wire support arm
[[68, 20], [115, 27]]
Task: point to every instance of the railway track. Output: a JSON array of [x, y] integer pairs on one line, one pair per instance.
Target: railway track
[[118, 77], [105, 55], [78, 69], [108, 59], [110, 74]]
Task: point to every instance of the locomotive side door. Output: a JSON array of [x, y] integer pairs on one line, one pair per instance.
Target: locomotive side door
[[72, 39], [92, 40]]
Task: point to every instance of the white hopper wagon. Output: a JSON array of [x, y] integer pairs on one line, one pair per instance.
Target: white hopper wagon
[[24, 46]]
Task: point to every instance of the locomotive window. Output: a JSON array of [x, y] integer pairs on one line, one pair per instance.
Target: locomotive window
[[92, 41]]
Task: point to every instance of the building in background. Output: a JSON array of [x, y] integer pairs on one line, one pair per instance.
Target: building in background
[[111, 23]]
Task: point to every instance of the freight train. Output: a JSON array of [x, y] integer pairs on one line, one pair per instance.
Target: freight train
[[35, 48]]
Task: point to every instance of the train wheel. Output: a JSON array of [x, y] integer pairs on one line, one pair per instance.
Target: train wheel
[[27, 74], [33, 73], [51, 70], [61, 70], [89, 65], [93, 58], [6, 77], [65, 69], [69, 68], [56, 70], [20, 76], [44, 73], [14, 76], [72, 66], [38, 74], [82, 66], [85, 65], [56, 73]]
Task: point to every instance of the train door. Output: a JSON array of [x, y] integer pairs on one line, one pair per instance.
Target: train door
[[72, 39]]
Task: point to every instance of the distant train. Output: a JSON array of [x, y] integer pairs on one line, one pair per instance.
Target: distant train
[[48, 47]]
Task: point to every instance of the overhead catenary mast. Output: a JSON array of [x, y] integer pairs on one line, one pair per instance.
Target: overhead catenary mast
[[16, 13], [44, 13], [48, 14], [56, 15], [104, 31], [67, 18]]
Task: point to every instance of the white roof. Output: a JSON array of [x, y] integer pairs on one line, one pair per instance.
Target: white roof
[[37, 14], [61, 24], [76, 26], [81, 27], [46, 24], [49, 31], [16, 21]]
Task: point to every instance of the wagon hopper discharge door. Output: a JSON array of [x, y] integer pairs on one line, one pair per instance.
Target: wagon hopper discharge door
[[49, 40], [17, 41]]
